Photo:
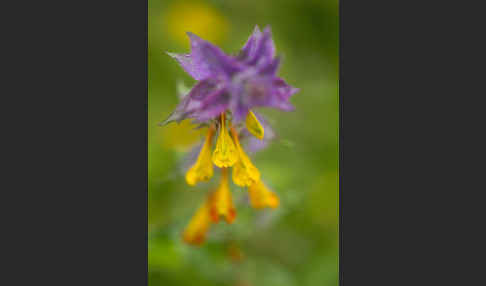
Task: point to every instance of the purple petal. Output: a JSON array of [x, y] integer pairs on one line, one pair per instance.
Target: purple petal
[[211, 59], [185, 60], [212, 106], [239, 111], [179, 113], [195, 101], [282, 89], [264, 50], [258, 91], [236, 83], [248, 50], [254, 145], [269, 68], [269, 92], [198, 94]]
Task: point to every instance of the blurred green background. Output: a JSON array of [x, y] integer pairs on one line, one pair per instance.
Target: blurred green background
[[295, 244]]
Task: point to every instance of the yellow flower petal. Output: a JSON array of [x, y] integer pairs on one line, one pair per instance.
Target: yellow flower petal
[[195, 232], [254, 126], [244, 172], [261, 196], [202, 170], [225, 153], [220, 201]]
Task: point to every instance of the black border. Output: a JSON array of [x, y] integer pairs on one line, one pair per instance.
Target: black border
[[78, 175]]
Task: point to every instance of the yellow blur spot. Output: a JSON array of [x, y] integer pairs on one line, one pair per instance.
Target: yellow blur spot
[[196, 17], [244, 172], [181, 136], [221, 202], [196, 230], [202, 170], [261, 196], [225, 153], [254, 126]]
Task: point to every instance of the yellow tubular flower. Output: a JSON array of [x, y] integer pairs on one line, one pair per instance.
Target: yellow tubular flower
[[195, 232], [220, 201], [261, 196], [254, 126], [202, 170], [244, 172], [225, 153]]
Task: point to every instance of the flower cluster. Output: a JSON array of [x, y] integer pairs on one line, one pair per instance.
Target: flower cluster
[[223, 100]]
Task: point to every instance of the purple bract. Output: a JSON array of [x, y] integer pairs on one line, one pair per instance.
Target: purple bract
[[236, 83]]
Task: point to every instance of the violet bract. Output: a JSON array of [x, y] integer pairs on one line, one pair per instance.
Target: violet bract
[[236, 83]]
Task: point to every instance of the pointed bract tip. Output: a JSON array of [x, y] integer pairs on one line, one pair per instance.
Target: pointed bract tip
[[165, 122], [173, 117], [191, 35], [294, 90], [173, 55]]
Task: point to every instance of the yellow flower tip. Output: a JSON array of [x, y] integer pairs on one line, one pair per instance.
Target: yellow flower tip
[[254, 126], [202, 170], [225, 153], [261, 196], [244, 172], [221, 203], [196, 230]]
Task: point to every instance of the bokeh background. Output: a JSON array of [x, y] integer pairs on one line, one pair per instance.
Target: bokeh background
[[295, 244]]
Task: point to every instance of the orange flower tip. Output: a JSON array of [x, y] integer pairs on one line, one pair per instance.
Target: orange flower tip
[[273, 201], [196, 240], [231, 216], [220, 201], [214, 215]]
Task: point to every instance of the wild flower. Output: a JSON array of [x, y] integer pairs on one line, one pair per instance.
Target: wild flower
[[223, 100]]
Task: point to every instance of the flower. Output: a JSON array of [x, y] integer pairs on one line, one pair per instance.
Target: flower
[[195, 232], [244, 172], [228, 88], [235, 83], [225, 153], [220, 200], [261, 196], [254, 144], [254, 126], [202, 170]]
